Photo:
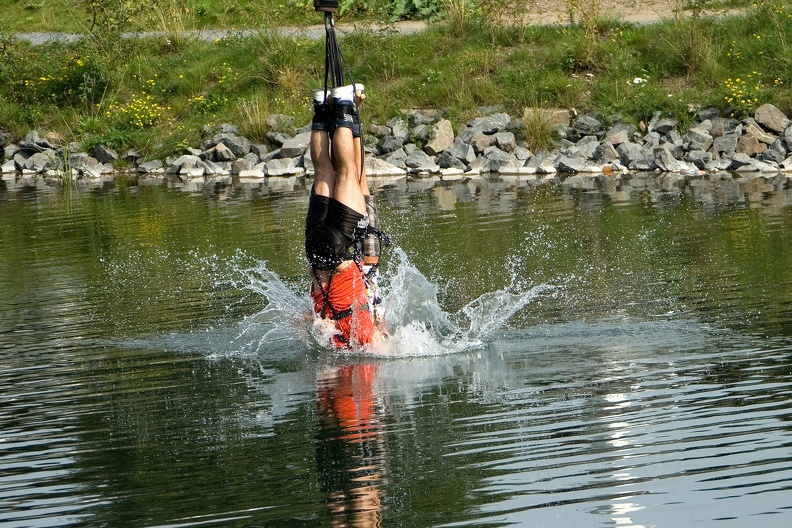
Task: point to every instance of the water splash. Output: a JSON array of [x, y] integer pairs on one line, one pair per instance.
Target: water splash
[[417, 325]]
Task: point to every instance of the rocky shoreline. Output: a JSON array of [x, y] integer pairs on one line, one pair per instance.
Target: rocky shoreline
[[424, 143]]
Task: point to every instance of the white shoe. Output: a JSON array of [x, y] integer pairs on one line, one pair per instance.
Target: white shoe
[[319, 95], [346, 94]]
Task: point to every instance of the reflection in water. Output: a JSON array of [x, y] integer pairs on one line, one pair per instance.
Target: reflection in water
[[619, 433], [350, 445], [155, 374]]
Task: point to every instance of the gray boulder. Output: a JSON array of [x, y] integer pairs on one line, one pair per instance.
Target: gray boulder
[[506, 141], [397, 158], [399, 128], [192, 172], [420, 133], [462, 151], [753, 129], [259, 149], [183, 163], [105, 155], [441, 137], [20, 158], [570, 163], [422, 117], [236, 144], [587, 125], [480, 141], [726, 144], [699, 158], [663, 125], [447, 161], [151, 167], [379, 131], [498, 159], [77, 160], [780, 146], [419, 161], [708, 113], [43, 161], [296, 146], [490, 124], [721, 126], [619, 133], [588, 146], [378, 167], [666, 162], [255, 173], [675, 138], [243, 164], [479, 165], [652, 140], [522, 153], [606, 153], [219, 153], [93, 168], [212, 169], [771, 118], [277, 138], [31, 143], [719, 164], [743, 162], [635, 157], [697, 139], [771, 156], [676, 150], [281, 167], [9, 151], [391, 144]]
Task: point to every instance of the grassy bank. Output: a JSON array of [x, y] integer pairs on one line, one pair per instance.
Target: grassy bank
[[80, 16], [157, 94]]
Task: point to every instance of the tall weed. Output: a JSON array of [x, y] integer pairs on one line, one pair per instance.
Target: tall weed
[[586, 13], [538, 128], [253, 115]]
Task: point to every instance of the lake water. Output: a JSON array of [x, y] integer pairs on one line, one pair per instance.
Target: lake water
[[595, 352]]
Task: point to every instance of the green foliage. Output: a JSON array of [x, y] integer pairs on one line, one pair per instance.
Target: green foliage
[[59, 74], [89, 91], [393, 9]]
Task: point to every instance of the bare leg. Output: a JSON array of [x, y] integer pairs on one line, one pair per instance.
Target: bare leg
[[347, 188], [324, 174], [361, 170]]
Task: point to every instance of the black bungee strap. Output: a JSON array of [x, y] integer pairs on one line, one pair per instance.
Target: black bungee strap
[[334, 71], [384, 238]]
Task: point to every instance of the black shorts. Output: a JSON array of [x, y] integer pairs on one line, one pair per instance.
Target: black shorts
[[333, 240]]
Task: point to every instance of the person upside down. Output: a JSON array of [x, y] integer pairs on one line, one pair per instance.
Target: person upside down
[[342, 239]]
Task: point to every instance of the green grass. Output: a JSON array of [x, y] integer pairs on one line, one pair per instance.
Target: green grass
[[78, 16], [157, 94]]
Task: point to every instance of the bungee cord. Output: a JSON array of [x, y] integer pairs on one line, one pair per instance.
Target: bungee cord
[[334, 61]]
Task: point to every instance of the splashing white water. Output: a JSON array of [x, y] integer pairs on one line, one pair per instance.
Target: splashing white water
[[416, 323]]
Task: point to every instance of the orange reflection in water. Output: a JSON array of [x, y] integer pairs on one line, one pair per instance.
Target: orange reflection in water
[[351, 445]]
